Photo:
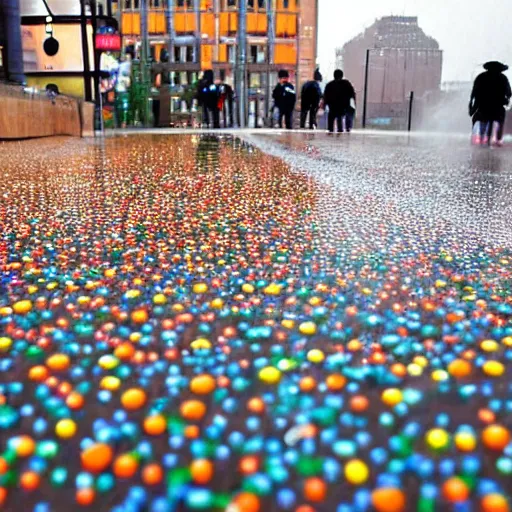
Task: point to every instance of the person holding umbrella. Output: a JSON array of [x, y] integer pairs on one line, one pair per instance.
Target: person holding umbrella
[[490, 95]]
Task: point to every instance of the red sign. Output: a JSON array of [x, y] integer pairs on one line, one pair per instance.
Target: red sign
[[108, 42]]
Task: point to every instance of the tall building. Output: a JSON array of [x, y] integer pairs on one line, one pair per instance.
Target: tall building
[[401, 59], [204, 34]]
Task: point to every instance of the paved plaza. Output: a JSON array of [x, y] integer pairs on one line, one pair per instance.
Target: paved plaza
[[255, 321]]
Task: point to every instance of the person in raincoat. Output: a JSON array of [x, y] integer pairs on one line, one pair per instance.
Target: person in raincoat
[[490, 95]]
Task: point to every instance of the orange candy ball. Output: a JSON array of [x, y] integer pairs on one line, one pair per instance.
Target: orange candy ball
[[25, 446], [75, 401], [315, 489], [133, 399], [388, 499], [201, 471], [359, 403], [97, 457], [249, 464], [247, 502], [256, 405], [307, 384], [58, 362], [455, 490], [155, 425], [30, 480], [85, 497], [494, 503], [139, 316], [459, 368], [193, 410], [124, 351], [152, 474], [335, 382], [3, 495], [496, 437], [202, 384], [125, 466], [3, 466]]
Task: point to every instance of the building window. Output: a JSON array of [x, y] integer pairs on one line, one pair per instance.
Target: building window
[[259, 3], [127, 4], [231, 53], [230, 4], [135, 4], [257, 54], [286, 4], [184, 3]]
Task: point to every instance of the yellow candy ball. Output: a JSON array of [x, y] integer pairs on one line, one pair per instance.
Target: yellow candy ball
[[440, 375], [288, 324], [200, 288], [315, 356], [272, 289], [465, 441], [159, 299], [507, 341], [493, 368], [356, 472], [22, 307], [307, 328], [415, 370], [108, 362], [201, 343], [217, 303], [489, 346], [391, 396], [65, 429], [247, 288], [437, 439], [110, 382], [5, 344], [269, 375]]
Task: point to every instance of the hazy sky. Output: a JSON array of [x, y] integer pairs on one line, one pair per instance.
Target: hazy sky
[[470, 32]]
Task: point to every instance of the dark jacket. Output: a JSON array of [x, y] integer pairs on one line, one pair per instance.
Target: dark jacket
[[208, 93], [311, 93], [491, 93], [284, 97], [337, 95]]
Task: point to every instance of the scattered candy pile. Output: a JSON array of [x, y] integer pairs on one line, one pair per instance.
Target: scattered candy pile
[[182, 329]]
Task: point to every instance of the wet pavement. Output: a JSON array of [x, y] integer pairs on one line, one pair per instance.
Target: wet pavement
[[274, 322]]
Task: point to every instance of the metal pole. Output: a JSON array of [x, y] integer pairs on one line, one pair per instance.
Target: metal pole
[[411, 101], [270, 55], [365, 99], [11, 22], [197, 31], [144, 58], [242, 63], [169, 12], [96, 57], [85, 52]]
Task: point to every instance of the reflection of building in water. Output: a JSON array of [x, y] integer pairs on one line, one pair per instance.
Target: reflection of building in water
[[203, 34], [402, 58]]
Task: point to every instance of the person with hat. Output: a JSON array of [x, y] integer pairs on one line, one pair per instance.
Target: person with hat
[[310, 98], [490, 95], [284, 99]]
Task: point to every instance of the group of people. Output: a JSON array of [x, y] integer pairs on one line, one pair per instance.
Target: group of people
[[339, 98], [490, 95], [214, 96]]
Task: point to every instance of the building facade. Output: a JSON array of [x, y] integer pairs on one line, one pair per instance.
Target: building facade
[[204, 34], [400, 58]]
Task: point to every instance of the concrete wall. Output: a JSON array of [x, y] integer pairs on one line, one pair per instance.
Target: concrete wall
[[24, 115]]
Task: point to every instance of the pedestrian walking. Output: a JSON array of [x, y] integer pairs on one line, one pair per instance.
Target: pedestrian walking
[[490, 95], [208, 95], [284, 99], [340, 97], [310, 98]]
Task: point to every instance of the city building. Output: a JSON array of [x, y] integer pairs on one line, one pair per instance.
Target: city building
[[400, 59], [204, 34]]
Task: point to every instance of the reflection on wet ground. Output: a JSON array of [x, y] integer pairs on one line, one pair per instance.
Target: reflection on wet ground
[[189, 323]]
